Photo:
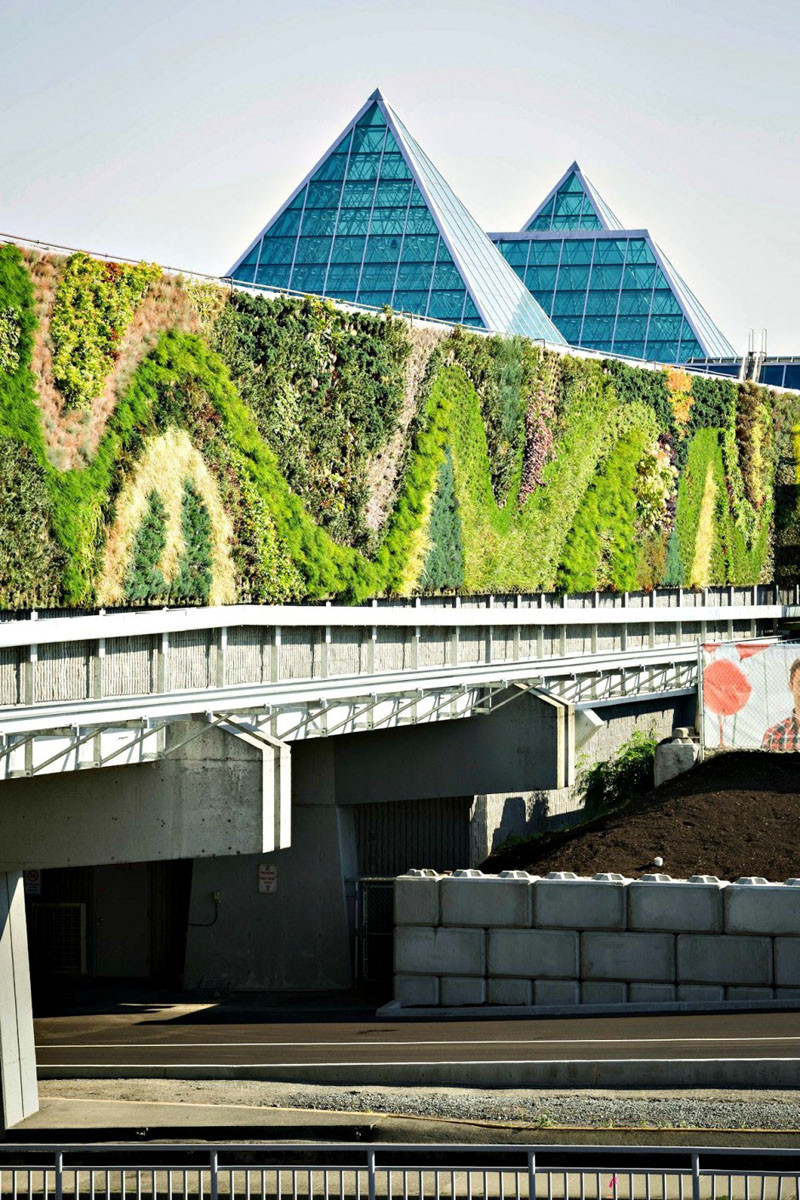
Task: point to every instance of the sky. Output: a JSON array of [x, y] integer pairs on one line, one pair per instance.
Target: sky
[[171, 130]]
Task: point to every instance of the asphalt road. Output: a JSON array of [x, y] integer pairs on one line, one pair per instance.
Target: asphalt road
[[188, 1035]]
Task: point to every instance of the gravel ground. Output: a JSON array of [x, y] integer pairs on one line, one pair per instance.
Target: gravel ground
[[700, 1109]]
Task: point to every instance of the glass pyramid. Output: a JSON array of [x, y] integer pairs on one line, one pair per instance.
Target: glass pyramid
[[607, 288], [573, 204], [375, 223]]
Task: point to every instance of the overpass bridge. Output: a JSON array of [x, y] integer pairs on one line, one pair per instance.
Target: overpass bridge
[[207, 734], [81, 692]]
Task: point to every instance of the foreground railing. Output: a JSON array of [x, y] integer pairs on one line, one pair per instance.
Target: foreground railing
[[341, 1172]]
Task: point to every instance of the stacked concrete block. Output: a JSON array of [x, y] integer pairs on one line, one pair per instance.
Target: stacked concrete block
[[564, 901], [518, 940], [470, 898], [656, 902]]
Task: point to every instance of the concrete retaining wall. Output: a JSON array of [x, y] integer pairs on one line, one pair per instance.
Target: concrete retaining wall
[[516, 939]]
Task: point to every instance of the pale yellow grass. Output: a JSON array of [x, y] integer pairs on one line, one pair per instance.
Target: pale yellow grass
[[706, 532], [168, 461]]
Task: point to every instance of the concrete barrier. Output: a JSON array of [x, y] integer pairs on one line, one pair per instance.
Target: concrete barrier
[[516, 940], [533, 953], [676, 905], [567, 902], [628, 956], [471, 898]]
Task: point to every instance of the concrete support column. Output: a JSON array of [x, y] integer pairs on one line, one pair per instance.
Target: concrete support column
[[19, 1095]]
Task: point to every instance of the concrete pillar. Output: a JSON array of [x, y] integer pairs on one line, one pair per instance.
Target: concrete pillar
[[19, 1095], [297, 935]]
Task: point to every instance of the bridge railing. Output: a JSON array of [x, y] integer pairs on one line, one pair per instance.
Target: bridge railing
[[52, 658], [346, 1172]]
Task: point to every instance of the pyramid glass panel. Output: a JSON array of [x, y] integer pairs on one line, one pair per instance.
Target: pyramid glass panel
[[630, 298], [375, 223], [573, 204]]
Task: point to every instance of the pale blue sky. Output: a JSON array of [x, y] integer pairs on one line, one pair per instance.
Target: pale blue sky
[[172, 130]]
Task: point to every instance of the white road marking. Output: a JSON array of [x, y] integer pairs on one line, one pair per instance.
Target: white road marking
[[469, 1062], [432, 1042]]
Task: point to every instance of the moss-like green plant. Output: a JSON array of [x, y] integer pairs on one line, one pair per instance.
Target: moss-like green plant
[[10, 334], [192, 583], [444, 564], [145, 581], [326, 388], [95, 303], [31, 561], [602, 549]]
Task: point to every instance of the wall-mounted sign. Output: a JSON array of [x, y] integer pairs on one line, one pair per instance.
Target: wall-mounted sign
[[267, 877], [32, 881]]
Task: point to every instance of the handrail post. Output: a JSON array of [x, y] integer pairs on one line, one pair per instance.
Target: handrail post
[[531, 1175], [695, 1177], [371, 1172], [59, 1174], [214, 1165]]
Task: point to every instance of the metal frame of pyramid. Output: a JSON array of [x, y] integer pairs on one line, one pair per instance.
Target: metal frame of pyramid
[[500, 300]]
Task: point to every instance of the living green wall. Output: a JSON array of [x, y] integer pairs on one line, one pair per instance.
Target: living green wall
[[164, 442]]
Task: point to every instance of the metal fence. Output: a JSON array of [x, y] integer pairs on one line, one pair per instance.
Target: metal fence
[[336, 1172]]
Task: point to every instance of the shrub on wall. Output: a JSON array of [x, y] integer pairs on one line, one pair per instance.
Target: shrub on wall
[[326, 389], [31, 562], [94, 304], [444, 564]]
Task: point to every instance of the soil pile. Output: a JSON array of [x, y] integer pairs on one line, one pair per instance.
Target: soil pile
[[733, 815]]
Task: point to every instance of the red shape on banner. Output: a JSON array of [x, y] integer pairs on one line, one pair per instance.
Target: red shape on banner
[[748, 649], [711, 647], [725, 689]]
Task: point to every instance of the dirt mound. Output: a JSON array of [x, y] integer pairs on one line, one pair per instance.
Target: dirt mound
[[737, 814]]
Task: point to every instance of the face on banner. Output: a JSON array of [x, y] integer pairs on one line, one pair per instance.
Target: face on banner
[[751, 696]]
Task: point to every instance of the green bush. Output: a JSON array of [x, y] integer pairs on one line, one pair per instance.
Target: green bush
[[192, 583], [144, 582], [624, 777], [326, 388], [94, 305], [31, 561], [444, 565]]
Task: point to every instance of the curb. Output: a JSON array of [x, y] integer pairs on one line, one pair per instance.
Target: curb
[[562, 1073]]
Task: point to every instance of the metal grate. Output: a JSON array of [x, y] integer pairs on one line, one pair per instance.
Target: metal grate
[[57, 934]]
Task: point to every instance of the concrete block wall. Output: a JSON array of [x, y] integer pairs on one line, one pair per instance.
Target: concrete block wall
[[516, 939]]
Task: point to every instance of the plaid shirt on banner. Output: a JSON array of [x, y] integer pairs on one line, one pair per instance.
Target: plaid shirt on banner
[[783, 736]]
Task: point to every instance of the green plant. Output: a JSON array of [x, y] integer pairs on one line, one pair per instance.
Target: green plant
[[31, 561], [621, 778], [192, 582], [444, 564], [10, 333], [325, 387], [145, 581], [95, 303]]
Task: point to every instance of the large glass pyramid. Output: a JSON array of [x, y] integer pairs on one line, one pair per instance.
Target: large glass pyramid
[[375, 223], [605, 287]]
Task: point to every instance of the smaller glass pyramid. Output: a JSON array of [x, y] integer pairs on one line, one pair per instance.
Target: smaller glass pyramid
[[607, 288], [375, 223], [573, 203]]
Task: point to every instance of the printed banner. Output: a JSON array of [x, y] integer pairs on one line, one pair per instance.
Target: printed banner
[[751, 696]]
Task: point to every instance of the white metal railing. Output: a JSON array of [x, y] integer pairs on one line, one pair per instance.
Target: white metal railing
[[346, 1172], [542, 609]]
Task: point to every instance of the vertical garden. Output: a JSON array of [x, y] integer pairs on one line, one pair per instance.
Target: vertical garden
[[163, 442]]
